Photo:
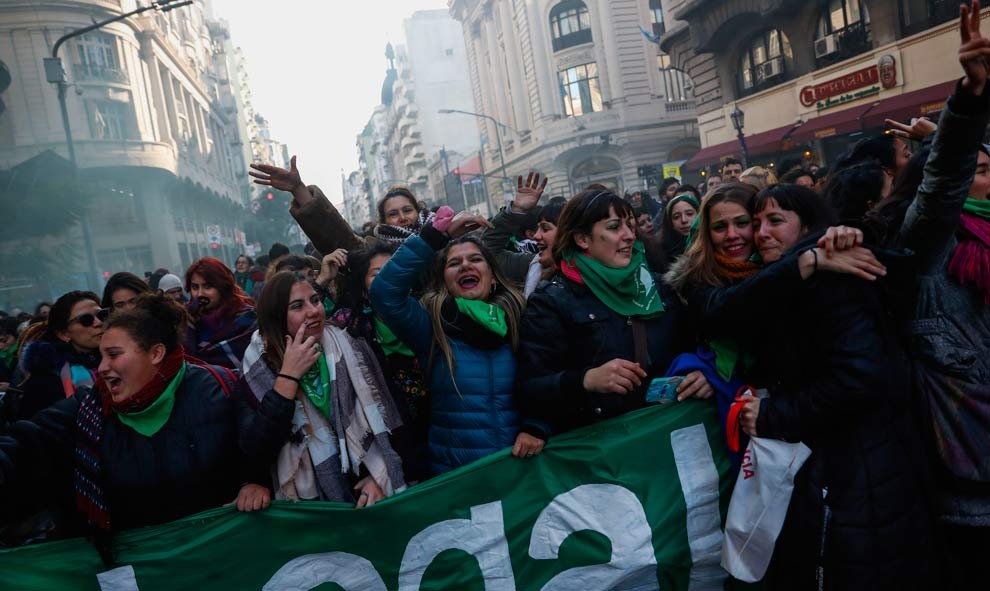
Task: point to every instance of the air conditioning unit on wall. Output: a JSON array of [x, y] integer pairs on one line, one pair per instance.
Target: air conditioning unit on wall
[[772, 68], [826, 46]]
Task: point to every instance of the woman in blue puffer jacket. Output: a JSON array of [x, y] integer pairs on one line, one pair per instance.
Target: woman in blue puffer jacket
[[464, 331]]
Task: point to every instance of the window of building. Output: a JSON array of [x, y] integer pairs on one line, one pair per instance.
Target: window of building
[[580, 90], [110, 120], [843, 31], [676, 83], [766, 61], [656, 17], [570, 24], [98, 58], [918, 15]]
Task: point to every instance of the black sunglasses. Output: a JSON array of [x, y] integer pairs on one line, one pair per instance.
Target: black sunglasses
[[90, 318]]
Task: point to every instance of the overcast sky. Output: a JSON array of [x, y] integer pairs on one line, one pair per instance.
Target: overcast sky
[[316, 69]]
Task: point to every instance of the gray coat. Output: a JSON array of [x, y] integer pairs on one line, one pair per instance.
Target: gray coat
[[950, 328]]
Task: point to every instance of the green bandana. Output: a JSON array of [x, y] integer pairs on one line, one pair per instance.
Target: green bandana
[[150, 420], [487, 315], [629, 291], [390, 344], [978, 207], [316, 384], [8, 356]]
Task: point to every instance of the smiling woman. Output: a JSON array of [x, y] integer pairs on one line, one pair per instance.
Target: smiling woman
[[326, 406], [470, 316], [594, 336]]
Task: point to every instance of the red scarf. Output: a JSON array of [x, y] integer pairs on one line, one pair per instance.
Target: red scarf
[[970, 262], [94, 408], [150, 392], [571, 272]]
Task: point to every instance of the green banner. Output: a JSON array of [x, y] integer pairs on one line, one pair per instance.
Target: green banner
[[632, 503]]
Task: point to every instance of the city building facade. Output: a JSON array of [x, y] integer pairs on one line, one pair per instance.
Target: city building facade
[[157, 118], [809, 78], [577, 90], [406, 137]]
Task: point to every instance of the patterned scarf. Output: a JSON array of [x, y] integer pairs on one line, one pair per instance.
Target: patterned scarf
[[399, 234], [95, 407], [970, 262], [219, 338], [733, 269]]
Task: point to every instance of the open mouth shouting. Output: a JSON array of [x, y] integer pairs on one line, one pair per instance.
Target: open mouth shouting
[[468, 281]]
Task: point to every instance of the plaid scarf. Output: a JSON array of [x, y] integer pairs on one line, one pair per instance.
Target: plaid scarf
[[399, 234], [95, 407], [217, 339]]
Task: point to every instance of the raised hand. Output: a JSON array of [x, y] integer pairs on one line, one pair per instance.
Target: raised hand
[[276, 177], [465, 222], [920, 128], [331, 265], [974, 49], [528, 193]]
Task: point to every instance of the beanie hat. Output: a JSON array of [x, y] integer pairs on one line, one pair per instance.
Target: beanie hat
[[169, 282]]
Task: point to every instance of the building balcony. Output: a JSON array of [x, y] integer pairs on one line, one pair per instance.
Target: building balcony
[[843, 44], [91, 73], [679, 106]]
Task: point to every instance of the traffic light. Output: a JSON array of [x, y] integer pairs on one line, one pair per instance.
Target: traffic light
[[457, 171], [270, 196]]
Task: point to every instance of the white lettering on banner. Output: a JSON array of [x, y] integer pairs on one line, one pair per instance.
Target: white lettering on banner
[[350, 571], [483, 536], [610, 510], [118, 579], [699, 483]]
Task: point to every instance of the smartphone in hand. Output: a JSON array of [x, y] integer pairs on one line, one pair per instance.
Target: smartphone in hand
[[663, 390]]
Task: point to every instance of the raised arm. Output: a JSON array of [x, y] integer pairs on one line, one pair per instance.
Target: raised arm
[[507, 223], [318, 218], [933, 217], [390, 291]]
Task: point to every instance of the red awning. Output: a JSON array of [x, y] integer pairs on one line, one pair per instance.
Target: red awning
[[901, 108], [767, 142], [471, 167]]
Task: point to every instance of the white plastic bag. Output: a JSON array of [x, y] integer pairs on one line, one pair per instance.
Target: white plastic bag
[[759, 505]]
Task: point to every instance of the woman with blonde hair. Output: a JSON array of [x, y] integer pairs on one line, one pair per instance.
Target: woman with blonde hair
[[464, 332], [759, 177]]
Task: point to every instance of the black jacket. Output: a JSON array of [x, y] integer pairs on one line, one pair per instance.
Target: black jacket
[[192, 464], [837, 383], [566, 331], [39, 371]]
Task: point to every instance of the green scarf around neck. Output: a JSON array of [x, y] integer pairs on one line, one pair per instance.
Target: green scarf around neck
[[316, 384], [629, 291], [489, 316], [977, 207], [150, 420], [390, 344]]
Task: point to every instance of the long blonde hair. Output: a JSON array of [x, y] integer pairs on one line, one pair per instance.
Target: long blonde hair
[[503, 295], [697, 266], [761, 178]]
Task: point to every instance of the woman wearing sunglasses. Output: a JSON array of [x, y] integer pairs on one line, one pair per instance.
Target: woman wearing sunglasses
[[65, 357]]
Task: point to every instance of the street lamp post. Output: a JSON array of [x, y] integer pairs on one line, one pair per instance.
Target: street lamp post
[[498, 139], [55, 74], [739, 122]]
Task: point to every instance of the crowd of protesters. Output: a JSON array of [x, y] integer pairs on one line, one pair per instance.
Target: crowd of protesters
[[854, 302]]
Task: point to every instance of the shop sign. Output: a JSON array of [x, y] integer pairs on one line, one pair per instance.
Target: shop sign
[[852, 86]]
